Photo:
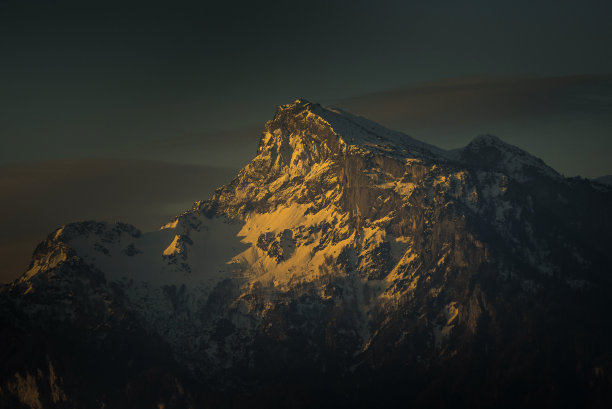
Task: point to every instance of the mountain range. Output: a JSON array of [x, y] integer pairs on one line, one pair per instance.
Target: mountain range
[[347, 265]]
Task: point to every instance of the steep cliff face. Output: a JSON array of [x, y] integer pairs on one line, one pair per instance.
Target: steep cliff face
[[344, 263]]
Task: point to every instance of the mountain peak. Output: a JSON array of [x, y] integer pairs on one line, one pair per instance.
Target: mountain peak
[[300, 104], [491, 152], [488, 140], [305, 131], [337, 129], [302, 133]]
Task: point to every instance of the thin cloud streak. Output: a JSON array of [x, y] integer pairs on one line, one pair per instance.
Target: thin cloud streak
[[467, 101]]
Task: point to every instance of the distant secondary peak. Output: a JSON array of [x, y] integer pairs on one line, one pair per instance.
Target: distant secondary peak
[[487, 142], [487, 139], [490, 152]]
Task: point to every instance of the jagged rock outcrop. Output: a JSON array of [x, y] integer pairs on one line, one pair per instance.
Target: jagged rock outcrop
[[345, 264]]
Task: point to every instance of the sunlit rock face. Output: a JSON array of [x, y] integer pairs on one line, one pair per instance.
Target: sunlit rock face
[[345, 264]]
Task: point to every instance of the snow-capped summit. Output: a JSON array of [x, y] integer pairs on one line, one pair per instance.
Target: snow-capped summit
[[333, 125], [298, 126], [344, 257]]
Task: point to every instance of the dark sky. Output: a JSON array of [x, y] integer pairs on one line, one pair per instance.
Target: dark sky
[[174, 83]]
